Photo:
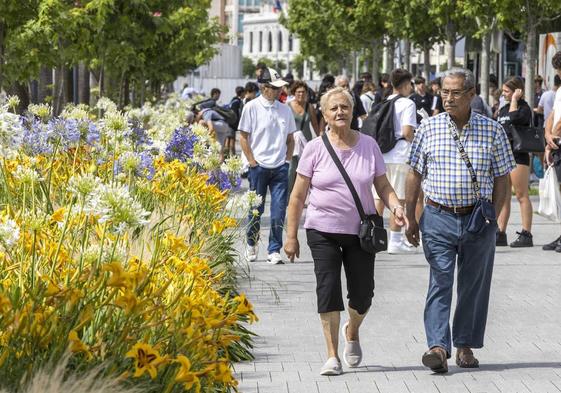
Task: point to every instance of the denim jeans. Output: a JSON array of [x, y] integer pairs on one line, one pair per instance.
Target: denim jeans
[[276, 180], [445, 242]]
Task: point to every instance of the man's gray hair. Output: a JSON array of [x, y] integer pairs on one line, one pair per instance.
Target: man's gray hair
[[341, 78], [336, 91], [456, 72]]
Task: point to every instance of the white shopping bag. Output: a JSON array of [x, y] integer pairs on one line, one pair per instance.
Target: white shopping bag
[[550, 196], [299, 142]]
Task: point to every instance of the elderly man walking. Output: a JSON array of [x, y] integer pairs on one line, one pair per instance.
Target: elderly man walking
[[266, 138], [461, 159]]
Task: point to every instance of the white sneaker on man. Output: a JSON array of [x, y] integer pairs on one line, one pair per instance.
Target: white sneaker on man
[[275, 259], [251, 253], [401, 248]]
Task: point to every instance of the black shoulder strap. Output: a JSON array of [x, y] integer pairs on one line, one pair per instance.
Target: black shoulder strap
[[344, 174], [465, 157]]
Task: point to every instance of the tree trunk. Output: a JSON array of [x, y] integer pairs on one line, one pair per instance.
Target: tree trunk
[[484, 67], [407, 55], [530, 63], [58, 95], [426, 62], [45, 83], [388, 66], [84, 84], [451, 43], [376, 60], [68, 95]]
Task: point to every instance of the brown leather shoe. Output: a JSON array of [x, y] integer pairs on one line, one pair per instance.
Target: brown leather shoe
[[465, 358], [435, 359]]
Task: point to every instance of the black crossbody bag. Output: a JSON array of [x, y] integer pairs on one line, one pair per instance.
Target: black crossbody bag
[[373, 237], [483, 213]]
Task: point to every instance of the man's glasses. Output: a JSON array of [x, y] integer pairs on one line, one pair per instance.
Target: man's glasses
[[455, 94]]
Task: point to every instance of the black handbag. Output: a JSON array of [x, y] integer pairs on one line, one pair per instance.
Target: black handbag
[[527, 139], [483, 213], [373, 237]]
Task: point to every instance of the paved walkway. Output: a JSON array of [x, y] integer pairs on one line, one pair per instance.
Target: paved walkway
[[523, 341]]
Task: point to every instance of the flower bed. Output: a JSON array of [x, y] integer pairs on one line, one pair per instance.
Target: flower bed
[[116, 243]]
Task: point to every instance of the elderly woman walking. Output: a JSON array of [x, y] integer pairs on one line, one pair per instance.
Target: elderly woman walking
[[332, 223]]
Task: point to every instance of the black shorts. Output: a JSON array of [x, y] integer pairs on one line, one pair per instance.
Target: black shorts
[[331, 251], [522, 158]]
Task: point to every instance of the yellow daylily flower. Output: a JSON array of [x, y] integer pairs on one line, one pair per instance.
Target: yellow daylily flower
[[58, 215], [119, 278], [146, 359], [186, 376], [77, 346]]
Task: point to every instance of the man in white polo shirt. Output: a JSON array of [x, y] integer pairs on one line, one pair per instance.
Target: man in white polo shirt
[[266, 138]]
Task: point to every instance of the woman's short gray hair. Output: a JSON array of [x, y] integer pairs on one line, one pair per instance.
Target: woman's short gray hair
[[456, 72], [336, 91]]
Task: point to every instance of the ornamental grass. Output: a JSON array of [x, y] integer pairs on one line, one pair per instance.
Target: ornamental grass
[[116, 249]]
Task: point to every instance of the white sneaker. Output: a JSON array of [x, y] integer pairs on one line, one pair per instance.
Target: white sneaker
[[401, 248], [275, 259], [251, 253]]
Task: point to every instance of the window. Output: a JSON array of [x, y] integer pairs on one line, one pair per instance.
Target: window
[[270, 42], [290, 43], [260, 41], [279, 42], [251, 42]]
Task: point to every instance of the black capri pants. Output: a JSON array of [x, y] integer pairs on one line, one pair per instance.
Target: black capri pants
[[330, 251]]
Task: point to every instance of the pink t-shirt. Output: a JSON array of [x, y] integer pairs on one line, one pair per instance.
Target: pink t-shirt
[[331, 207]]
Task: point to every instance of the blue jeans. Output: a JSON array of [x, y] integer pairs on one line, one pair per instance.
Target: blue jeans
[[446, 241], [276, 180]]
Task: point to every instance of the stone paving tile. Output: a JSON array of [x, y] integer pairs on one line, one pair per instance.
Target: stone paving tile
[[522, 350]]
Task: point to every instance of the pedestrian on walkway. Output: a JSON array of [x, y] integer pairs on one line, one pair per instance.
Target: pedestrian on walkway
[[422, 98], [266, 128], [451, 192], [358, 109], [236, 104], [553, 139], [332, 223], [306, 123], [404, 124], [516, 112]]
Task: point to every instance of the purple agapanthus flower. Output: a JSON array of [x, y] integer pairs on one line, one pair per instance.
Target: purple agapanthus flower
[[138, 136], [89, 133], [35, 138], [224, 181], [64, 132], [145, 167], [181, 145]]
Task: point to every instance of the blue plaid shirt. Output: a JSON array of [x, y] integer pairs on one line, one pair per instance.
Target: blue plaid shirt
[[446, 178]]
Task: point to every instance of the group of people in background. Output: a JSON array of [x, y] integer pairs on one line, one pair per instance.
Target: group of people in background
[[418, 100], [447, 173]]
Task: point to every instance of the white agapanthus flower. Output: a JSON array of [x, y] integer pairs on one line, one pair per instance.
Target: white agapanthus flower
[[75, 112], [84, 186], [43, 111], [9, 233], [115, 122], [114, 204], [105, 104], [26, 175], [129, 161], [11, 132], [233, 165], [239, 205]]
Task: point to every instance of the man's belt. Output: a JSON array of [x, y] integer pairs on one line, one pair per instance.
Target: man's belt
[[461, 211]]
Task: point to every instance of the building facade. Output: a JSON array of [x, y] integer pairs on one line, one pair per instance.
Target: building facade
[[265, 37]]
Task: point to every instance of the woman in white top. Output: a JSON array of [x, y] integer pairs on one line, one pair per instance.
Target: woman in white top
[[368, 97]]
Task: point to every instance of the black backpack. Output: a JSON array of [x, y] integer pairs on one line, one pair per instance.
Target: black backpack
[[229, 115], [379, 124]]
